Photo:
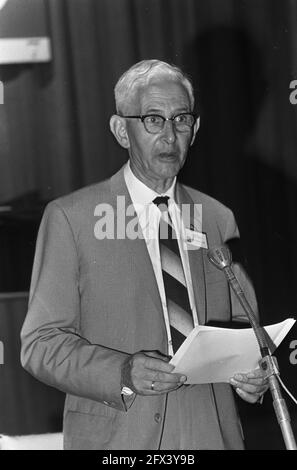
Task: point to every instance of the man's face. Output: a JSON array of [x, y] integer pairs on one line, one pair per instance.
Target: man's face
[[158, 157]]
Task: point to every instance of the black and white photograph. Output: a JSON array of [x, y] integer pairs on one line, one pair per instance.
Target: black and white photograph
[[148, 227]]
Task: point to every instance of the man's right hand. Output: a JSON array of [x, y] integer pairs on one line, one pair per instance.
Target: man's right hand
[[149, 373]]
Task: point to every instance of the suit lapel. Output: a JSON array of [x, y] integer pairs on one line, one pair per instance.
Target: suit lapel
[[139, 253], [196, 258], [137, 248]]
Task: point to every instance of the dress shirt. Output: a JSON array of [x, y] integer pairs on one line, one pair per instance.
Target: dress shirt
[[149, 217]]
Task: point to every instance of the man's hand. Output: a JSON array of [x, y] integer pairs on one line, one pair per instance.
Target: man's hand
[[143, 369], [251, 386]]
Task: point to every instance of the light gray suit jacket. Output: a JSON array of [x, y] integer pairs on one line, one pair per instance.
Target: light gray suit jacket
[[93, 302]]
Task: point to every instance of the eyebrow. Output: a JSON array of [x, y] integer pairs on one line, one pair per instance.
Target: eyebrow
[[161, 111]]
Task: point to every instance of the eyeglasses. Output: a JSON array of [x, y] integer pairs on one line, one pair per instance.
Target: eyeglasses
[[154, 123]]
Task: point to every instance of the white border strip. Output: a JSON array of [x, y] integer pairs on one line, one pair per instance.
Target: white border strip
[[16, 51]]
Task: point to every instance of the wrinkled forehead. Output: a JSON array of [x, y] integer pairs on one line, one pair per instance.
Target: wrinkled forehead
[[160, 93]]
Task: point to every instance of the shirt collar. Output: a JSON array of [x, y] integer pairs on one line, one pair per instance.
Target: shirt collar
[[141, 194]]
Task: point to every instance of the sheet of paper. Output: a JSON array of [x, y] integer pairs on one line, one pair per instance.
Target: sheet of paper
[[211, 354]]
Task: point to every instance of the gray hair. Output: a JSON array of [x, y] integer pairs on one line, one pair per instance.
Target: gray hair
[[141, 73]]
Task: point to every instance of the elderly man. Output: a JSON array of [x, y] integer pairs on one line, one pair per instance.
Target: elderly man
[[107, 311]]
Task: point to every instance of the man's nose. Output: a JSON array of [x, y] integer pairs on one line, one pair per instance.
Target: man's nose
[[169, 133]]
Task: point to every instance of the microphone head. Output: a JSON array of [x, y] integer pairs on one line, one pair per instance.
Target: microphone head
[[220, 256]]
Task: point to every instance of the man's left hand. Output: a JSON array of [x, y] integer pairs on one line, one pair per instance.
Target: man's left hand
[[250, 386]]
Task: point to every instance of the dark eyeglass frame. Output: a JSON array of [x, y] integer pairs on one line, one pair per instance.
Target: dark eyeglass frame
[[142, 117]]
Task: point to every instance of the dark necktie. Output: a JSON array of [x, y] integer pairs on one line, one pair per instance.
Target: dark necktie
[[177, 298]]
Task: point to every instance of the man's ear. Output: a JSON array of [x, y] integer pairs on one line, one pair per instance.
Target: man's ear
[[195, 130], [118, 128]]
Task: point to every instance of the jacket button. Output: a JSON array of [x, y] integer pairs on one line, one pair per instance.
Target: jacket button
[[157, 417]]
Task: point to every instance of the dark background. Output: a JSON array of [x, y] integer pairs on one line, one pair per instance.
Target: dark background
[[54, 138]]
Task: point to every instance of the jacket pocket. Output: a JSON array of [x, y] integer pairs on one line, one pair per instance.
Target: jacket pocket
[[84, 405]]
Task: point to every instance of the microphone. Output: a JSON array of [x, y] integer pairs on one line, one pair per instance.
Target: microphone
[[221, 258]]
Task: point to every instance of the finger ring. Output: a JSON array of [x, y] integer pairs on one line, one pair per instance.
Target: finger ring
[[152, 385]]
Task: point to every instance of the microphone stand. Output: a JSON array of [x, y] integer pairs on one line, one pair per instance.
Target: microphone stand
[[220, 257]]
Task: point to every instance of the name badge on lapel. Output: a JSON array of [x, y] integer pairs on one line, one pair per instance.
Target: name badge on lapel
[[195, 239]]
